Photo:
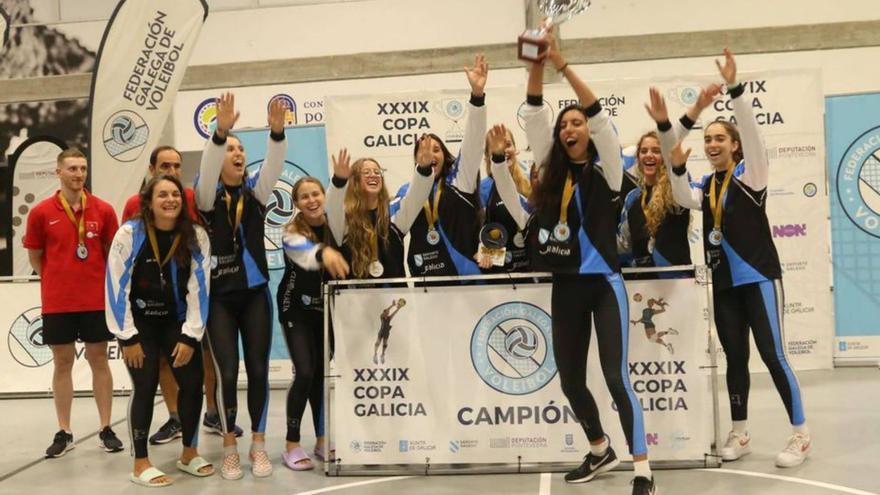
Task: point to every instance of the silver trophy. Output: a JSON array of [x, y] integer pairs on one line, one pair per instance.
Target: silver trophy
[[531, 45]]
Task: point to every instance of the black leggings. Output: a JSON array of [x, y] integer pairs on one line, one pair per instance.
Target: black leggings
[[248, 313], [759, 306], [160, 338], [304, 333], [574, 300]]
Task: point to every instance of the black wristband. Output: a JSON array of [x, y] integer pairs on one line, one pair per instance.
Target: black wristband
[[424, 171], [319, 255], [593, 109], [498, 158], [687, 122], [217, 139], [134, 339], [679, 170], [339, 182], [535, 100], [186, 339], [276, 137], [562, 69], [664, 126], [478, 101], [736, 91]]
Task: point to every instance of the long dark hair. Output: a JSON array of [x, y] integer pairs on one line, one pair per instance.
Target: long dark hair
[[733, 132], [547, 194], [448, 157], [184, 225]]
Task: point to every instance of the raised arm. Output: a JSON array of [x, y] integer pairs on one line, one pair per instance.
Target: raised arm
[[198, 290], [471, 153], [682, 192], [276, 149], [539, 129], [404, 211], [757, 165], [212, 156], [503, 180], [335, 203]]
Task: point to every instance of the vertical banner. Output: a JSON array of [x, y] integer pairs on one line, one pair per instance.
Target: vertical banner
[[33, 179], [385, 126], [306, 156], [141, 63], [4, 28], [853, 124], [467, 375]]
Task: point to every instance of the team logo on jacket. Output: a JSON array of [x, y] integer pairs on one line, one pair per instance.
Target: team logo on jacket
[[858, 182], [511, 350], [26, 340], [125, 135]]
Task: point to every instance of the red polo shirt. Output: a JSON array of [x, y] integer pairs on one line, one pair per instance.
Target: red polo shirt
[[68, 284], [133, 205]]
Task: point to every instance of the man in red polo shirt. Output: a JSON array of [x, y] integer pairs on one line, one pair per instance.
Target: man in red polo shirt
[[166, 160], [68, 237]]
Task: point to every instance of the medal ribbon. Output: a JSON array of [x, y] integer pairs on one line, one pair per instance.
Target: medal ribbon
[[434, 215], [567, 193], [716, 204], [151, 233], [239, 211], [81, 224]]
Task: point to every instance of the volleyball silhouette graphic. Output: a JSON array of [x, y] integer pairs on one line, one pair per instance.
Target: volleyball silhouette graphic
[[401, 302], [521, 342], [123, 130]]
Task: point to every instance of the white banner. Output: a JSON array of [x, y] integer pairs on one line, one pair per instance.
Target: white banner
[[4, 28], [141, 63], [383, 126], [34, 180], [25, 362], [469, 376]]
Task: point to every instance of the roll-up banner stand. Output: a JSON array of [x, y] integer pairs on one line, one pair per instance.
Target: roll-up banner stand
[[462, 378], [141, 63]]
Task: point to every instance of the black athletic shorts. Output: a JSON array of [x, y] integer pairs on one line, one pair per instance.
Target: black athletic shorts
[[67, 328]]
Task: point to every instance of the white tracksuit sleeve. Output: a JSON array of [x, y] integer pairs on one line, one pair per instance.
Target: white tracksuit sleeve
[[509, 195], [471, 153], [209, 174], [539, 132], [757, 165], [682, 192], [120, 261], [411, 204], [607, 143], [270, 171], [302, 251], [335, 207], [198, 288]]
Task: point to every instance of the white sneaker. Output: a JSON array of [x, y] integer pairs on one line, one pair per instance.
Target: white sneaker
[[737, 445], [795, 452]]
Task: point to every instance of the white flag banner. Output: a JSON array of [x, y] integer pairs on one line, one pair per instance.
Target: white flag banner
[[34, 179], [467, 375], [4, 28], [141, 63]]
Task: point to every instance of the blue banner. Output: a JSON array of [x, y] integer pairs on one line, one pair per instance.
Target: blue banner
[[853, 124]]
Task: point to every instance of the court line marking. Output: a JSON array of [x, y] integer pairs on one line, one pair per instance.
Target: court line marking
[[819, 484], [354, 484], [544, 488]]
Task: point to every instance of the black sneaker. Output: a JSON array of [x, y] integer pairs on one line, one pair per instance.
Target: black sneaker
[[168, 432], [62, 442], [108, 440], [212, 425], [593, 466], [643, 486]]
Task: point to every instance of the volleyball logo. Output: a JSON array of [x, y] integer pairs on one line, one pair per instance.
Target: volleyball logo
[[521, 342], [26, 340], [511, 350], [125, 136], [858, 182]]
